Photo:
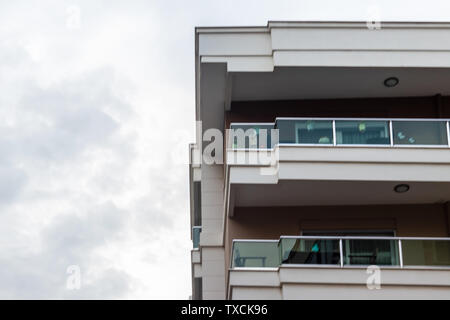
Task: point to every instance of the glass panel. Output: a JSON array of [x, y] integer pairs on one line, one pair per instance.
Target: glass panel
[[251, 136], [196, 236], [420, 132], [305, 131], [362, 132], [255, 254], [371, 252], [426, 253], [309, 251]]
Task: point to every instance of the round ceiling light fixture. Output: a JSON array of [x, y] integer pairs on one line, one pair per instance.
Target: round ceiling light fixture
[[391, 82], [401, 188]]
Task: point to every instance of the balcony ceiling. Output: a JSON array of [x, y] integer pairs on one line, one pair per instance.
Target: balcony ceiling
[[315, 193], [290, 83]]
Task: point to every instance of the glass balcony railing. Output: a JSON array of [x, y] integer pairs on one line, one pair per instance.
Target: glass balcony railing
[[382, 252], [305, 131], [196, 236], [261, 253], [362, 132], [251, 135], [342, 252], [426, 253], [342, 132], [309, 251]]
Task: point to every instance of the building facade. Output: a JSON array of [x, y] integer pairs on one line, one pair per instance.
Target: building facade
[[321, 167]]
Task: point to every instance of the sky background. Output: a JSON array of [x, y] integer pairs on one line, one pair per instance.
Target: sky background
[[96, 113]]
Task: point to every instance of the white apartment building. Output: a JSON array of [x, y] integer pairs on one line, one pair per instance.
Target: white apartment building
[[359, 172]]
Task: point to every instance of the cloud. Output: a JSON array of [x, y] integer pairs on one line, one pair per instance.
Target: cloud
[[70, 239], [58, 141], [77, 188], [12, 181]]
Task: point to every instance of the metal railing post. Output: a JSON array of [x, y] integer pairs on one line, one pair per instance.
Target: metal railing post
[[400, 253], [334, 133], [448, 133], [341, 252], [391, 133]]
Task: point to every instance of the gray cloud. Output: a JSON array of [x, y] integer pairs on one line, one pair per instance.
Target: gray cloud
[[70, 239], [111, 284], [78, 235], [12, 181], [75, 164], [61, 124], [48, 222]]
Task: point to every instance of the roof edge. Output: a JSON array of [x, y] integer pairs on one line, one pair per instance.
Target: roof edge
[[322, 24]]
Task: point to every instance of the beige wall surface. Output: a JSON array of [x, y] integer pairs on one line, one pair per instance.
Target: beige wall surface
[[360, 292], [340, 292], [271, 223], [303, 283]]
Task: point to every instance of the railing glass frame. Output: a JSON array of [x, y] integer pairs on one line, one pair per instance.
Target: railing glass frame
[[334, 143], [196, 230], [398, 250]]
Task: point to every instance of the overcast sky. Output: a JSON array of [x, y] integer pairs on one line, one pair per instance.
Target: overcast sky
[[96, 112]]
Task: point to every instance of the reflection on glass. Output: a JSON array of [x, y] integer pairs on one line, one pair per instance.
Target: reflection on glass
[[426, 252], [420, 132], [362, 132], [255, 254], [314, 132], [309, 251], [370, 252], [196, 236], [305, 131], [251, 136]]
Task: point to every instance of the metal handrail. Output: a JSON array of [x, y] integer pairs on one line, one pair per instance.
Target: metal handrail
[[344, 238], [251, 123], [361, 119], [340, 119], [364, 238]]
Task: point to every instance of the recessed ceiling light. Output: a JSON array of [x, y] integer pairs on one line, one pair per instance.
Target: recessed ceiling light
[[401, 188], [391, 82]]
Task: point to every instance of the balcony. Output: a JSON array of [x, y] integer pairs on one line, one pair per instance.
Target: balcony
[[342, 252], [312, 161], [338, 268], [419, 133]]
